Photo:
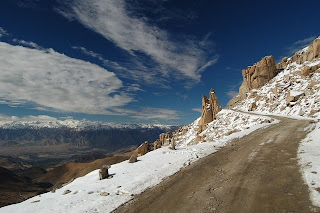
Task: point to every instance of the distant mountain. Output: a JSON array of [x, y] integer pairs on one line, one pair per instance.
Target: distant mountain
[[50, 136], [79, 125]]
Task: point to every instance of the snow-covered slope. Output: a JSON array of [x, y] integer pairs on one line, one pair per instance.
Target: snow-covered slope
[[43, 121], [289, 93], [227, 122], [130, 179]]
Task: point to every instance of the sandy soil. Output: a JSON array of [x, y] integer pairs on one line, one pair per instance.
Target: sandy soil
[[257, 173]]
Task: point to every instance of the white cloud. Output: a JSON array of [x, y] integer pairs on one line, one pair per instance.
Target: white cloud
[[40, 118], [50, 80], [138, 71], [134, 88], [296, 46], [3, 32], [27, 43], [111, 19], [149, 113], [197, 110], [232, 94]]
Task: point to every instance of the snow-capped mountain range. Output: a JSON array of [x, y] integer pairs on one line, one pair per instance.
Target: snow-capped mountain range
[[43, 121]]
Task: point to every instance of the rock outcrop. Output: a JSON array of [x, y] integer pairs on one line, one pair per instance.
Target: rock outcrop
[[255, 77], [165, 138], [143, 148], [157, 144], [259, 74], [210, 107], [307, 54]]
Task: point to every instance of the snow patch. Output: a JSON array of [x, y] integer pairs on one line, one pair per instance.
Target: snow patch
[[308, 154]]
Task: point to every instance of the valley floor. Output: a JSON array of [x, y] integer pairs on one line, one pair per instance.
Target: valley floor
[[256, 173]]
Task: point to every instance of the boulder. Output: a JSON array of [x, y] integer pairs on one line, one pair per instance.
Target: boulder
[[133, 159], [104, 194], [253, 106], [103, 172], [143, 148], [210, 107], [157, 144], [173, 144], [275, 91], [293, 96], [66, 192], [308, 70], [283, 64]]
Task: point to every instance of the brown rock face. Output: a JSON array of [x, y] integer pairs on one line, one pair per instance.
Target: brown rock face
[[307, 54], [157, 144], [260, 73], [165, 138], [210, 107], [283, 64], [143, 148], [255, 77]]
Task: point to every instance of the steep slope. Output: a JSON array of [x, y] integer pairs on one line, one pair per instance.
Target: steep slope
[[293, 91], [14, 189]]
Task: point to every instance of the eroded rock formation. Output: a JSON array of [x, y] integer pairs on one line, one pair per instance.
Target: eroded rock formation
[[255, 77], [259, 74], [210, 107], [165, 138]]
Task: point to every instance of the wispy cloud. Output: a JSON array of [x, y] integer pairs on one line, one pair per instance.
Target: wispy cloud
[[137, 71], [197, 110], [296, 46], [40, 118], [149, 113], [27, 43], [55, 81], [28, 3], [111, 19], [3, 32], [232, 93]]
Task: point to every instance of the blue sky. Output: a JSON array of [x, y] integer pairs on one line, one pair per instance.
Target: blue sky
[[146, 61]]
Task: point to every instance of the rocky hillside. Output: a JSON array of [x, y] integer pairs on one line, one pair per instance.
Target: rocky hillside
[[290, 87]]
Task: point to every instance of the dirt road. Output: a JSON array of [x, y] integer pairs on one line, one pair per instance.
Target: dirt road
[[257, 173]]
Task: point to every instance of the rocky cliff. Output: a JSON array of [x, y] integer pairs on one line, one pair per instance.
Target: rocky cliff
[[293, 91], [256, 76]]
